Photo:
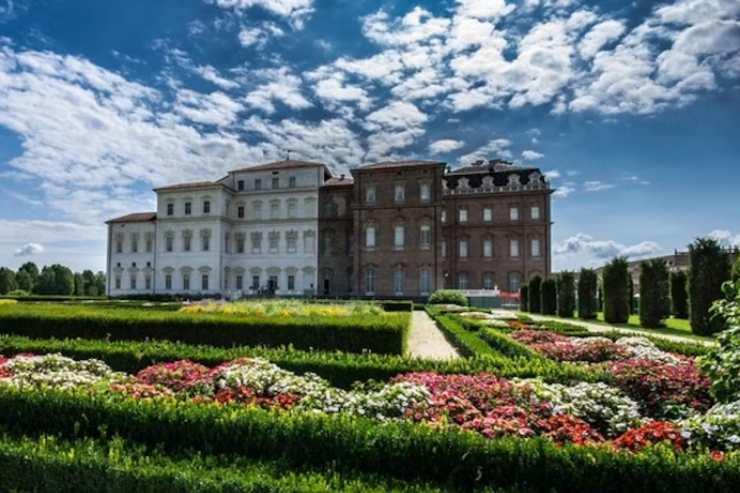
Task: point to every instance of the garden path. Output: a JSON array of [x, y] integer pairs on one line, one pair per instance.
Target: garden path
[[603, 327], [426, 340]]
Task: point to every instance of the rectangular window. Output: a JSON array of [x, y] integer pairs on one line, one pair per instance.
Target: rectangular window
[[292, 208], [443, 216], [239, 283], [186, 243], [258, 184], [119, 246], [206, 243], [487, 280], [514, 248], [370, 195], [425, 281], [462, 215], [186, 282], [133, 282], [188, 209], [535, 212], [275, 182], [170, 209], [444, 248], [274, 241], [240, 243], [240, 185], [463, 253], [227, 242], [255, 282], [134, 243], [308, 243], [240, 212], [168, 281], [370, 237], [514, 213], [398, 282], [370, 281], [291, 182], [425, 192], [274, 210], [118, 282], [399, 194], [256, 242], [462, 280], [425, 236], [204, 282], [487, 248], [168, 243], [149, 244], [291, 283], [292, 243], [147, 282], [487, 214], [535, 247], [207, 207], [257, 210], [398, 237]]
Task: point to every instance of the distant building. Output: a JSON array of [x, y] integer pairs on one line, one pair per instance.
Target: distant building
[[393, 229]]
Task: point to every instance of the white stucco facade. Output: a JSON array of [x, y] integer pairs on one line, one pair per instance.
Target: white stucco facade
[[254, 230]]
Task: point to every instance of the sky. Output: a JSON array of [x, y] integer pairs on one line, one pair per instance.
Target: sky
[[632, 109]]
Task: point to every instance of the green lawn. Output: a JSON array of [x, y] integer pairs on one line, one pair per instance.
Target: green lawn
[[673, 326]]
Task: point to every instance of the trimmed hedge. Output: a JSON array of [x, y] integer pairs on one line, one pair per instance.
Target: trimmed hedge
[[710, 267], [397, 449], [505, 345], [535, 294], [566, 287], [448, 297], [615, 283], [588, 285], [524, 298], [549, 303], [49, 464], [655, 303], [386, 335], [679, 295]]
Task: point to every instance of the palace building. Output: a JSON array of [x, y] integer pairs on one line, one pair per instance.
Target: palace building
[[292, 228]]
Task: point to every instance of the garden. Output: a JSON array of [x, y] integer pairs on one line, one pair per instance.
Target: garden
[[531, 406]]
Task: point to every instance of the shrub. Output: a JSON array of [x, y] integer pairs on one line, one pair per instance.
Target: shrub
[[357, 333], [722, 364], [736, 269], [709, 269], [549, 303], [566, 288], [7, 280], [654, 299], [523, 298], [448, 297], [535, 294], [679, 295], [616, 291], [587, 287]]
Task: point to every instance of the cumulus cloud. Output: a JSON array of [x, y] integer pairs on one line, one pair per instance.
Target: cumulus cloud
[[496, 148], [563, 191], [725, 238], [278, 85], [604, 249], [445, 145], [209, 73], [29, 249], [596, 186], [531, 155], [297, 11]]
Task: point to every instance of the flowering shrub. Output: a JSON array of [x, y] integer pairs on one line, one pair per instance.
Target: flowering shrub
[[284, 308], [722, 364], [55, 370], [590, 351], [663, 390], [650, 434], [568, 429], [177, 376], [527, 336], [719, 428], [141, 390], [643, 348]]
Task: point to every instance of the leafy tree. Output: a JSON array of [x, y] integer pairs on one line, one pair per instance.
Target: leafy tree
[[56, 279], [100, 283], [88, 283], [32, 270], [679, 295], [535, 294], [7, 280], [600, 300], [587, 287], [566, 294], [523, 301], [633, 307], [616, 279], [736, 269], [549, 303], [24, 280], [79, 284], [655, 304], [710, 267]]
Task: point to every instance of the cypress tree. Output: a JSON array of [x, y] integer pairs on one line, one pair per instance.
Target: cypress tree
[[523, 301], [736, 268], [710, 267], [633, 305], [549, 303], [587, 287], [616, 291], [654, 299], [535, 295], [566, 294], [679, 295]]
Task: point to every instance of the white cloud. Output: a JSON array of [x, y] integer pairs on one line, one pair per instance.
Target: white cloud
[[725, 238], [297, 11], [396, 115], [596, 186], [281, 86], [259, 36], [584, 244], [215, 108], [599, 35], [552, 174], [332, 89], [496, 148], [531, 155], [445, 145], [210, 74], [563, 191], [417, 25], [29, 249]]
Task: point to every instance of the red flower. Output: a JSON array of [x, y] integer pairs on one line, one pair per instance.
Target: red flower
[[650, 434], [177, 376], [718, 455], [594, 352], [568, 429], [527, 336]]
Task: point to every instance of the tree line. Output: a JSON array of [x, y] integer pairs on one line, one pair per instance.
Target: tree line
[[662, 293], [53, 279]]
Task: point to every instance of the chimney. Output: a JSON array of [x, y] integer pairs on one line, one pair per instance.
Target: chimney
[[341, 177]]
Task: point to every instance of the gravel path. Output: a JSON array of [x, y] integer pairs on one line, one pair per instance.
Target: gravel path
[[426, 340], [600, 328]]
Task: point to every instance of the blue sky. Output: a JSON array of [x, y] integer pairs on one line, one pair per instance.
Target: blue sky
[[632, 109]]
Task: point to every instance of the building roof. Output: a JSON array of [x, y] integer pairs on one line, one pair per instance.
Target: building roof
[[189, 186], [278, 165], [400, 164], [342, 181], [495, 165], [136, 217]]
